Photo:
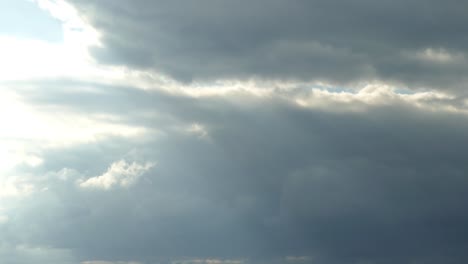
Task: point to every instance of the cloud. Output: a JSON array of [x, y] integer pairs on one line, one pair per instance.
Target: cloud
[[278, 181], [15, 187], [3, 219], [341, 43], [304, 136], [22, 253], [120, 173], [198, 130], [209, 261], [110, 262]]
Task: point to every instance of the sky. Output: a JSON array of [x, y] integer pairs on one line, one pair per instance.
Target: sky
[[233, 132]]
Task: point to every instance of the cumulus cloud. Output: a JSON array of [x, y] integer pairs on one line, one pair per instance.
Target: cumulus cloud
[[120, 173]]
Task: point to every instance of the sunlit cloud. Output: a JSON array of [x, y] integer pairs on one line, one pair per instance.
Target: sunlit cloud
[[120, 173], [441, 56], [13, 186], [151, 134]]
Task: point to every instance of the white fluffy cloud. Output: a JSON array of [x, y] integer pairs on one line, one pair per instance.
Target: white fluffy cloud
[[119, 174]]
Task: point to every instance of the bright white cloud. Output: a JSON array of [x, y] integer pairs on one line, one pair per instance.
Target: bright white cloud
[[15, 187], [199, 130], [120, 173], [21, 120], [375, 95], [26, 129]]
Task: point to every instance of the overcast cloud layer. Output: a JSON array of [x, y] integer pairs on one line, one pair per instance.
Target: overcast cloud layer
[[237, 132], [412, 43], [247, 179]]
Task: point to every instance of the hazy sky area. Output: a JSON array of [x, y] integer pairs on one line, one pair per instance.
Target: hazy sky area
[[24, 19], [233, 132]]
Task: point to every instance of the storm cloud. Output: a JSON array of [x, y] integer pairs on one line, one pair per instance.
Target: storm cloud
[[416, 44], [237, 132], [278, 183]]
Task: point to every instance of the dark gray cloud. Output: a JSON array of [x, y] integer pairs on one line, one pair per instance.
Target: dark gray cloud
[[291, 173], [271, 182], [412, 43]]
